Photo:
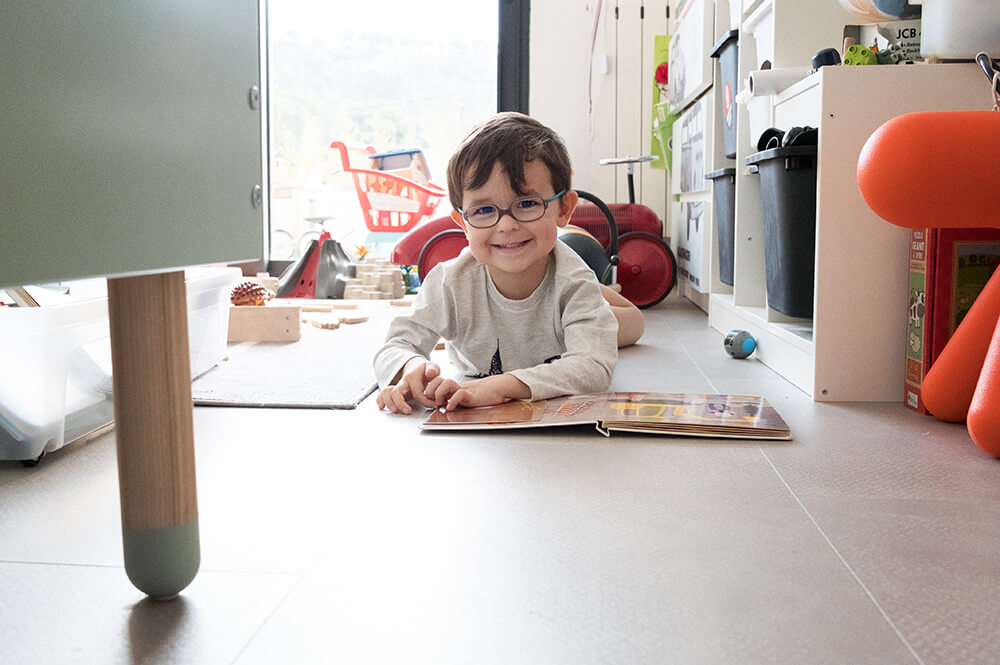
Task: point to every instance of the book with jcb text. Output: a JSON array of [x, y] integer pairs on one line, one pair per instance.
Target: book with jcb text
[[722, 416]]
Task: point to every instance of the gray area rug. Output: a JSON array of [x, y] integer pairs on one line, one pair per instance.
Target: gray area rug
[[325, 369]]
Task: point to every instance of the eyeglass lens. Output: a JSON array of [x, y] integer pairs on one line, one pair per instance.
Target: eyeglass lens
[[528, 209]]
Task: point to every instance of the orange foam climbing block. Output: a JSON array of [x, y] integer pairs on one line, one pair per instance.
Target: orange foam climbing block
[[934, 169]]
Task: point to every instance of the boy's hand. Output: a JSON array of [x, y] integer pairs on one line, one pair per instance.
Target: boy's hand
[[488, 391], [417, 375]]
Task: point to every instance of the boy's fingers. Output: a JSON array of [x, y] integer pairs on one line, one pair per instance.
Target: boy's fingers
[[458, 399], [431, 371], [395, 399], [416, 391], [423, 399], [404, 407], [444, 391], [440, 389], [432, 386], [399, 404], [411, 386]]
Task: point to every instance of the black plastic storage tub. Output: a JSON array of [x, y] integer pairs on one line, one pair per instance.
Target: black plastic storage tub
[[724, 196], [788, 199], [727, 51]]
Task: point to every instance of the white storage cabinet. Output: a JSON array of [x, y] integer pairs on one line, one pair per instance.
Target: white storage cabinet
[[853, 347]]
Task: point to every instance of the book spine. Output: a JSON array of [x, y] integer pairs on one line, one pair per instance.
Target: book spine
[[919, 315]]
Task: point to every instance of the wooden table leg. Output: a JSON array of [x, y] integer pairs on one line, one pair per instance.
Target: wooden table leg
[[154, 431]]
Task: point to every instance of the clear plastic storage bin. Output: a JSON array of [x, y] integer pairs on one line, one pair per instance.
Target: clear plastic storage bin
[[55, 384]]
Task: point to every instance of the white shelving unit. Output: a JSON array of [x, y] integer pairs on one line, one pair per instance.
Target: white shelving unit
[[788, 33], [697, 141], [853, 347], [784, 33]]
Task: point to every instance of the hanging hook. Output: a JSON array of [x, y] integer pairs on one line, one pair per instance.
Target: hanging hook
[[989, 66], [992, 71]]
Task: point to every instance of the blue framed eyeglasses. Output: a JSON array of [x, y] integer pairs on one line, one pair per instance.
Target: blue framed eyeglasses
[[528, 209]]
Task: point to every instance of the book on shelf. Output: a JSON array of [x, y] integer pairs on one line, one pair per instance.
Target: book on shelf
[[948, 269], [715, 416]]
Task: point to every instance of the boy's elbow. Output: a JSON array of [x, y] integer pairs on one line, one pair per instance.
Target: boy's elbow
[[631, 325], [630, 329], [605, 375]]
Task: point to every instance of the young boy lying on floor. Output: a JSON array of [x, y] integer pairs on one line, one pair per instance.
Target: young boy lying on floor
[[523, 315]]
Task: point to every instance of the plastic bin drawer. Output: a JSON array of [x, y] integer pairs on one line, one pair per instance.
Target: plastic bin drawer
[[788, 199], [56, 382]]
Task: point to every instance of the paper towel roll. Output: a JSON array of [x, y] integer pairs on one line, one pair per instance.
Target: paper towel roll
[[770, 81]]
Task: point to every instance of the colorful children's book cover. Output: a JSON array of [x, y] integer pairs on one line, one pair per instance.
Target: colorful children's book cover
[[965, 261], [716, 416], [948, 269]]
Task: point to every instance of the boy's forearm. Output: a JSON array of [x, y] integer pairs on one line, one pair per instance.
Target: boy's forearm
[[505, 386], [573, 374], [401, 371], [410, 364], [515, 388]]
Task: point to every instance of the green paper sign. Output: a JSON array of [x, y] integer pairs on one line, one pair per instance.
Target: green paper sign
[[663, 122]]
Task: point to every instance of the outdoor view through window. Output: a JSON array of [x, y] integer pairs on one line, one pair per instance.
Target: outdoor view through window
[[389, 74]]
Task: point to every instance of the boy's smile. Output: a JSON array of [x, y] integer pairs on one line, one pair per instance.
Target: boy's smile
[[516, 253], [510, 246]]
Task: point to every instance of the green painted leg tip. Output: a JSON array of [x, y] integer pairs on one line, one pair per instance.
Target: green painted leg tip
[[162, 562]]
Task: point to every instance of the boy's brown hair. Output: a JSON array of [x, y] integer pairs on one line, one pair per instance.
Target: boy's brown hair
[[510, 139]]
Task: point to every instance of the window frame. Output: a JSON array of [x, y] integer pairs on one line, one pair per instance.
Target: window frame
[[512, 90], [513, 55]]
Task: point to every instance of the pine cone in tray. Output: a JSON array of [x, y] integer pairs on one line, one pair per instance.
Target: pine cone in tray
[[249, 293]]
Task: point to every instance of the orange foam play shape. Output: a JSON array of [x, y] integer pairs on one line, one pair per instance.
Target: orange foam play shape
[[984, 412], [938, 169], [934, 169]]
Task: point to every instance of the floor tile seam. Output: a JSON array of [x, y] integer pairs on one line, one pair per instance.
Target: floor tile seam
[[110, 566], [312, 566], [857, 578], [267, 619], [60, 564], [697, 365]]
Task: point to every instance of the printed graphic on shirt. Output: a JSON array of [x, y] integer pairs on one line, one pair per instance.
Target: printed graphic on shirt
[[496, 365]]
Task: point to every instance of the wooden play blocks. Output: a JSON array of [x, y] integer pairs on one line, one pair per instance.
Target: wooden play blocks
[[270, 323]]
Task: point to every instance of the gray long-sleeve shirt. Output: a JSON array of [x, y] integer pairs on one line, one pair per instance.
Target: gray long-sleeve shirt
[[560, 340]]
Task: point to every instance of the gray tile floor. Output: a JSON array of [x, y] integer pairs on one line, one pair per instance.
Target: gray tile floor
[[347, 536]]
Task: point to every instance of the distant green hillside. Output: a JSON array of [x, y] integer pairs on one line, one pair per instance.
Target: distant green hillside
[[384, 91]]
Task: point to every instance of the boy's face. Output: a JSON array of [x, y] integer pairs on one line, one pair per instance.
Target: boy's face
[[516, 253]]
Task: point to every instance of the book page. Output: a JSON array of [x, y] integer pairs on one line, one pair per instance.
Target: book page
[[499, 414], [706, 415]]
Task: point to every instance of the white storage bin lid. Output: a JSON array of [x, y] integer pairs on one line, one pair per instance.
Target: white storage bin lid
[[959, 29]]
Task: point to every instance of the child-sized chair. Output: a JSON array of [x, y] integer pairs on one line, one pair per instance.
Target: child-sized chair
[[951, 162]]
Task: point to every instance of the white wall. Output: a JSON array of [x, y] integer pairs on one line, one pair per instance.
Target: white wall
[[600, 103]]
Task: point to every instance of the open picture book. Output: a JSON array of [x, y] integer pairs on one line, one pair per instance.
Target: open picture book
[[723, 416]]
